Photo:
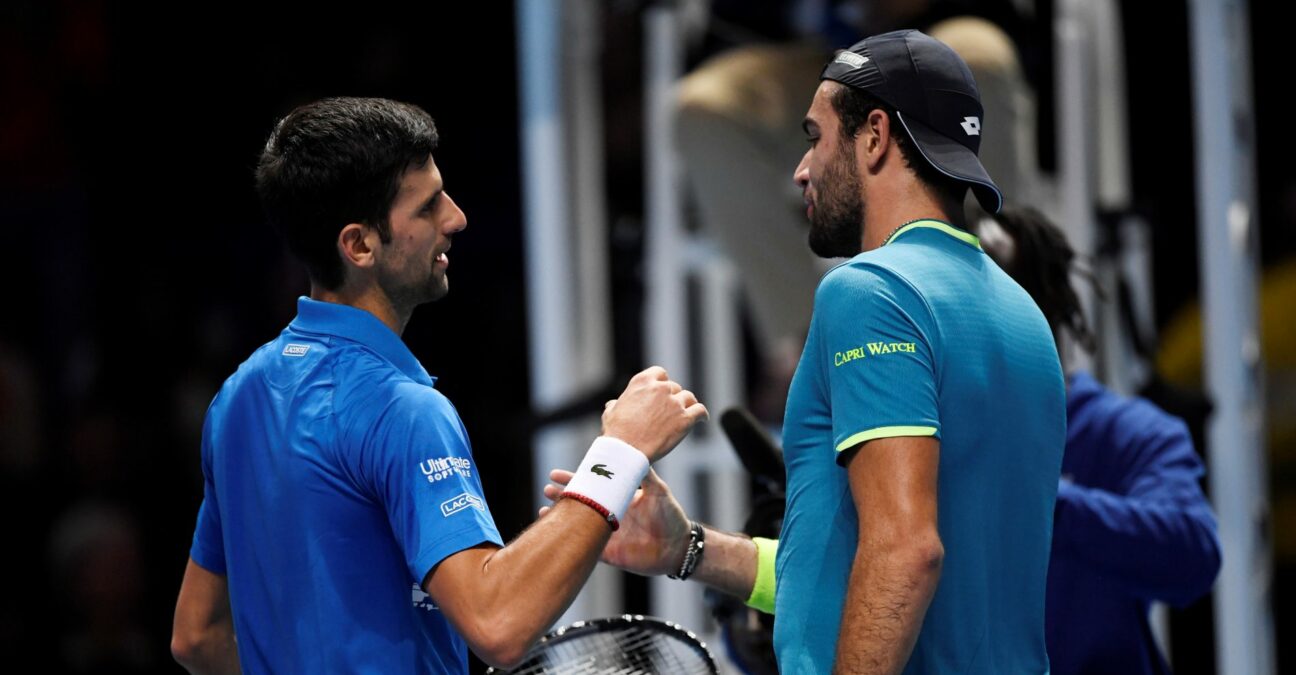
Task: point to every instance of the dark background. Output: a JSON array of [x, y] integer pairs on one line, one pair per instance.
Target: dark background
[[138, 271]]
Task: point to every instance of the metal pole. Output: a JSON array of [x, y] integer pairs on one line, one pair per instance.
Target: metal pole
[[1075, 152], [667, 301], [567, 294], [1227, 246]]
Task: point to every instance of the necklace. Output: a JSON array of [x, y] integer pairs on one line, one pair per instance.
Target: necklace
[[902, 226]]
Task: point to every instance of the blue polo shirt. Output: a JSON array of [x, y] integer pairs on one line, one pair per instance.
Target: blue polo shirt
[[336, 477], [926, 336]]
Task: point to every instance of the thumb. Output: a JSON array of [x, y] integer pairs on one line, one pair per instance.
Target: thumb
[[653, 483]]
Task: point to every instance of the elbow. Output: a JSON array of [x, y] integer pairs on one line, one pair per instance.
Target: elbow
[[499, 642], [1201, 572], [501, 653], [185, 647], [927, 556], [1212, 560], [921, 556]]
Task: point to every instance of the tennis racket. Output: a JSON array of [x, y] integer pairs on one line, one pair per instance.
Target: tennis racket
[[624, 645]]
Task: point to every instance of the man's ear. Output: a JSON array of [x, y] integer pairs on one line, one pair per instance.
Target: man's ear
[[356, 244], [873, 142]]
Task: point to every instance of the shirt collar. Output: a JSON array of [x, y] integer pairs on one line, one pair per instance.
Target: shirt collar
[[939, 226], [358, 325]]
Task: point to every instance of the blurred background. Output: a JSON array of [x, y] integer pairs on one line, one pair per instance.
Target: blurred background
[[625, 167]]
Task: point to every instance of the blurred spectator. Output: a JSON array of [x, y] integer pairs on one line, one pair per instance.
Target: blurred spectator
[[95, 555], [1131, 524]]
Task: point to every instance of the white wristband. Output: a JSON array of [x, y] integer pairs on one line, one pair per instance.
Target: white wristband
[[609, 475]]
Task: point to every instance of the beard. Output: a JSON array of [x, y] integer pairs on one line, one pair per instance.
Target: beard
[[409, 288], [837, 221]]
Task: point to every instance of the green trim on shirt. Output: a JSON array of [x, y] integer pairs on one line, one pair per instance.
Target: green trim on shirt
[[962, 235], [884, 432]]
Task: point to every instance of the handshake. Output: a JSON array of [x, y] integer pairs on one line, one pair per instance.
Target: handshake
[[641, 426]]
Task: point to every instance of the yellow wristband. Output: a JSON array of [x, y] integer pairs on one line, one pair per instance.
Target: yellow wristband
[[762, 595]]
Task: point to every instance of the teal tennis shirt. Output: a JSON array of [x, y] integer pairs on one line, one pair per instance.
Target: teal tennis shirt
[[926, 336]]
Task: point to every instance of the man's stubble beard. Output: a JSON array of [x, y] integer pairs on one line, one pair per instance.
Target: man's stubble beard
[[837, 221]]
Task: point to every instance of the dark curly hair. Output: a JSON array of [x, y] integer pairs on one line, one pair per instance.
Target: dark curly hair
[[1043, 264]]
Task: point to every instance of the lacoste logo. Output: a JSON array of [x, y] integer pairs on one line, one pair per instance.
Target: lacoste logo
[[971, 125], [454, 505], [851, 59], [602, 470], [296, 350]]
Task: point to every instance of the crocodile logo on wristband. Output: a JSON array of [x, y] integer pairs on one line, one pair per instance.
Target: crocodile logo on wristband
[[602, 470]]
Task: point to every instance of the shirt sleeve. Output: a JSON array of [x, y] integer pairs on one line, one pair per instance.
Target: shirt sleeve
[[876, 335], [417, 461], [1157, 535], [208, 548]]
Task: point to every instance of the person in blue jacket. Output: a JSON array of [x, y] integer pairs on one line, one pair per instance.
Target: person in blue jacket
[[1131, 524]]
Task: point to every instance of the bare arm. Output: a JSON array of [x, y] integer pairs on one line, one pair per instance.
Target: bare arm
[[202, 636], [898, 557], [501, 600], [729, 564]]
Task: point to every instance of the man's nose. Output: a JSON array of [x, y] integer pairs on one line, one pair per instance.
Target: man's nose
[[802, 174], [458, 220]]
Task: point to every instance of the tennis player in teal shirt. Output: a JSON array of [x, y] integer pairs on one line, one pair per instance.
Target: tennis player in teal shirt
[[925, 424]]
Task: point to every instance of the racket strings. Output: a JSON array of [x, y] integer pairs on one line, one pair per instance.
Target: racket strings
[[624, 651]]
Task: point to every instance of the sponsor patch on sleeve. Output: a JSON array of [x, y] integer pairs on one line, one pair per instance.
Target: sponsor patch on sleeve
[[456, 504]]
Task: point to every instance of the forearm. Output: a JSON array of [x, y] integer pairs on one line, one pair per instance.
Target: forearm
[[728, 564], [890, 589], [520, 590]]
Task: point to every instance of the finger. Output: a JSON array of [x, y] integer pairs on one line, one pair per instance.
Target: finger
[[653, 373], [685, 397], [675, 387], [697, 412], [552, 492], [653, 482], [560, 476], [544, 510], [608, 406]]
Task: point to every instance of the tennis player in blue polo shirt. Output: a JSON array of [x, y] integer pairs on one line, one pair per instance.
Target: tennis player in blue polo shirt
[[343, 527], [925, 424]]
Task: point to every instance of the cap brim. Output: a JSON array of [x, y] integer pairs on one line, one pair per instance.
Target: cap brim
[[954, 160]]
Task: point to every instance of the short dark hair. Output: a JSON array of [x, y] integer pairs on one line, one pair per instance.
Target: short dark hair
[[1042, 264], [334, 162], [853, 106]]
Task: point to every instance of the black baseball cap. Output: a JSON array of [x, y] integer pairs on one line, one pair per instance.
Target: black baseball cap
[[934, 96]]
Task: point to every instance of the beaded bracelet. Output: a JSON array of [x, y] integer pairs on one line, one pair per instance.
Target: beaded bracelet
[[693, 554]]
